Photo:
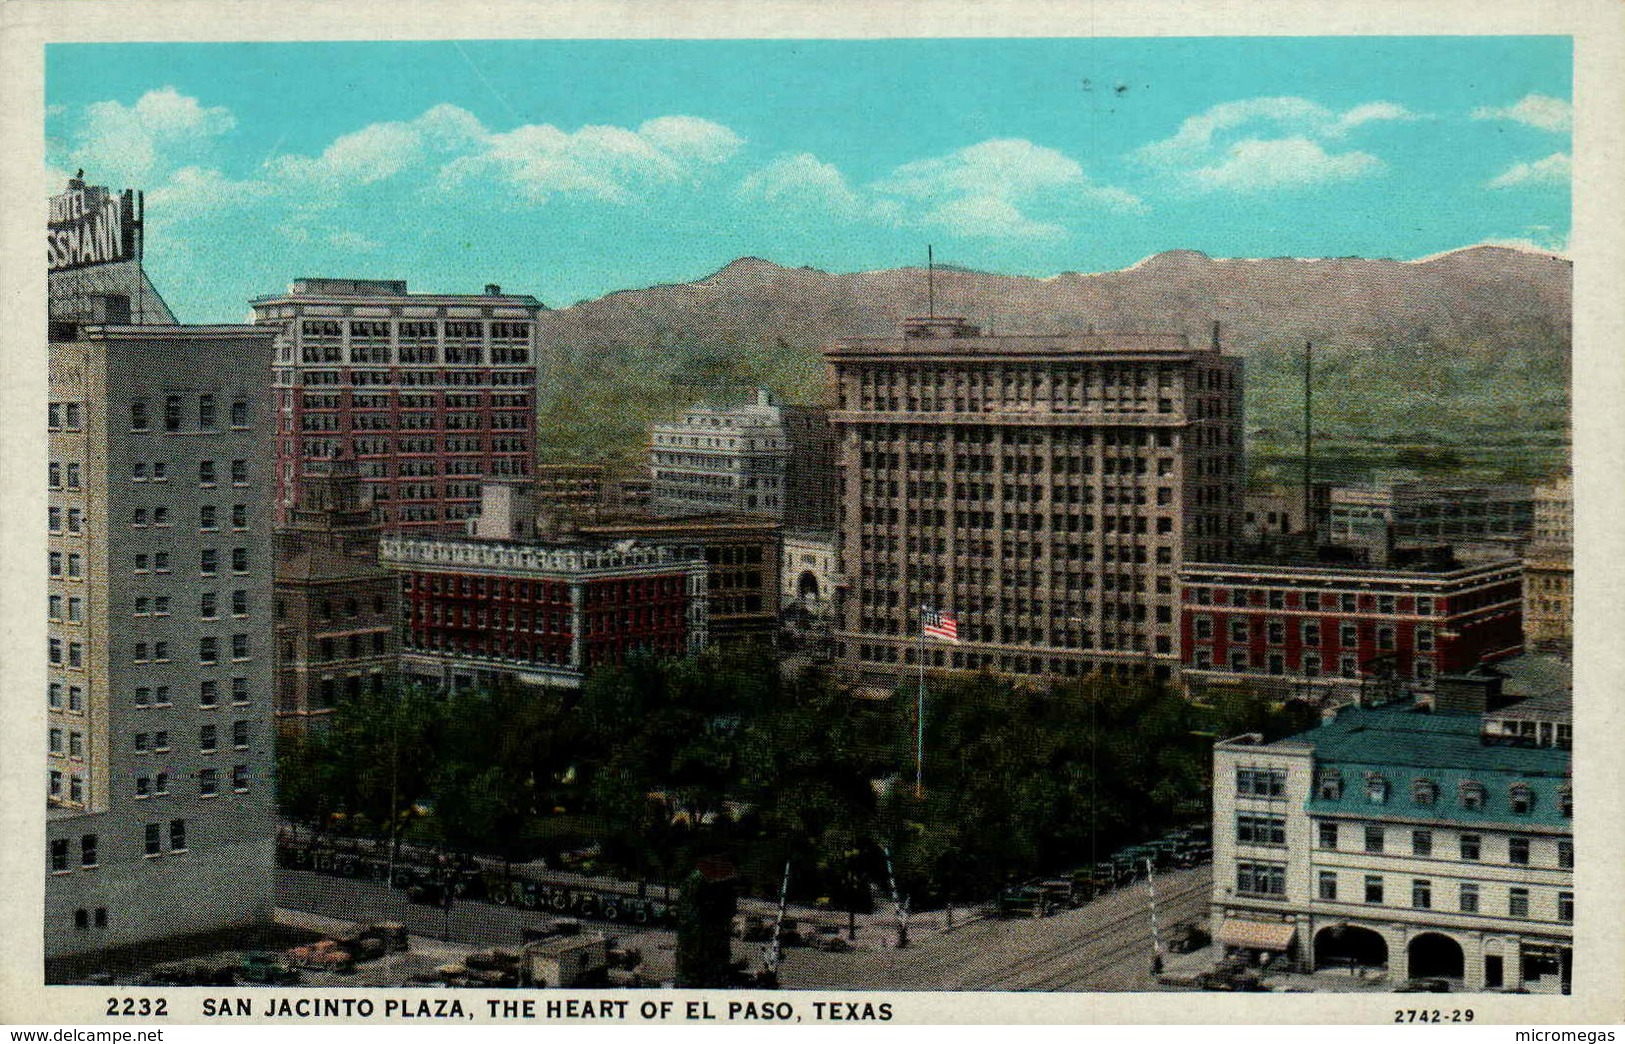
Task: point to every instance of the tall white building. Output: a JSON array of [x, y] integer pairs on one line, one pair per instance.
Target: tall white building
[[158, 755], [760, 457], [1407, 843]]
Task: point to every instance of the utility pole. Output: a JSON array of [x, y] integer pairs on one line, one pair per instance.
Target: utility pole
[[897, 901], [930, 283], [1308, 441], [1156, 940], [772, 951], [919, 715]]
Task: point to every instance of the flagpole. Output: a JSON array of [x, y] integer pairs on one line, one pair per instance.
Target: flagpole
[[919, 718]]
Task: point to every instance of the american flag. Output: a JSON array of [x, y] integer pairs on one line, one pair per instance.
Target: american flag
[[939, 623]]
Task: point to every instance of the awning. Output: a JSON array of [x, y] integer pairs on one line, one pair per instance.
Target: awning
[[1256, 935]]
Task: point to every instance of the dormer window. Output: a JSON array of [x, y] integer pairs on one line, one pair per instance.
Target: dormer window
[[1376, 787], [1472, 796], [1424, 792], [1522, 799], [1331, 785], [1566, 802]]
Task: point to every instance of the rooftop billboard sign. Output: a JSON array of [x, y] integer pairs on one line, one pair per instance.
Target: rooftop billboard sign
[[88, 225]]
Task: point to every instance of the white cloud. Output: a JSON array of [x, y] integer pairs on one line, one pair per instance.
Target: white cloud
[[1555, 169], [120, 144], [991, 217], [1254, 164], [1372, 112], [1003, 167], [1533, 110], [194, 191], [985, 189], [804, 182], [612, 164], [383, 150], [1276, 142]]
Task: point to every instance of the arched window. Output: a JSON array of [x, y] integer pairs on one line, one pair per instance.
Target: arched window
[[1331, 785], [1376, 787], [1472, 795], [1424, 792], [1522, 799]]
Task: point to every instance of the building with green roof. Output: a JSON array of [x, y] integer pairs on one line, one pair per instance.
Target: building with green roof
[[1414, 841]]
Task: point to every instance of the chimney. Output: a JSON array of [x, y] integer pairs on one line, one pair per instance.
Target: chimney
[[1473, 692]]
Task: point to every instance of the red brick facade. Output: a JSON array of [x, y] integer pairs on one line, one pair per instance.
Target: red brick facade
[[1319, 624]]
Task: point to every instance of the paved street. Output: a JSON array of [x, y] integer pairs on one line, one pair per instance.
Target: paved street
[[1104, 945]]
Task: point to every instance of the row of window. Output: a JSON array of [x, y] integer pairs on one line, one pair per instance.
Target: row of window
[[208, 604], [208, 474], [1277, 598], [415, 329], [69, 475], [89, 848], [206, 414], [75, 520], [1470, 847], [1470, 794], [1268, 880], [208, 650], [208, 561], [208, 694], [1275, 631], [208, 517], [1310, 666], [408, 378], [402, 400], [65, 416]]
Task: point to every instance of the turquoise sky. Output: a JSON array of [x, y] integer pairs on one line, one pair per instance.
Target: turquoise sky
[[569, 169]]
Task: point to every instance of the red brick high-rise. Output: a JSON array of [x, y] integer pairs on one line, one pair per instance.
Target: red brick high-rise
[[429, 393]]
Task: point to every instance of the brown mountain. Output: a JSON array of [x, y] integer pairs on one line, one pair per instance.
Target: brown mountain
[[1462, 297], [1460, 348]]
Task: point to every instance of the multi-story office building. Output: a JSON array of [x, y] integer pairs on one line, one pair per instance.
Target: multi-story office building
[[741, 552], [759, 457], [478, 612], [1412, 843], [159, 758], [1315, 628], [430, 393], [1406, 511], [1045, 489], [337, 609], [1548, 569]]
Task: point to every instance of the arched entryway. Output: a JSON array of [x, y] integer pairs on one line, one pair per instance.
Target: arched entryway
[[807, 585], [1348, 946], [1436, 956]]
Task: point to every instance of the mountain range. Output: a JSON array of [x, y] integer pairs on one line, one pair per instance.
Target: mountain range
[[1468, 350]]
